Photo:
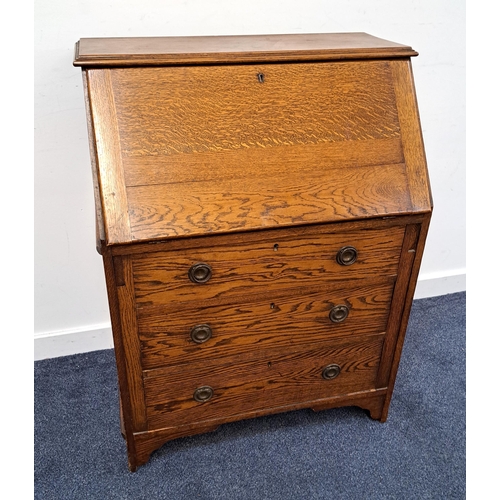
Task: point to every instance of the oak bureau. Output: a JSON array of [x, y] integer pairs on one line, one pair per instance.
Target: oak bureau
[[262, 204]]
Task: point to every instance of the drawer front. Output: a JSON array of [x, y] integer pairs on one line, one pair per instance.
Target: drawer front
[[270, 379], [278, 263], [179, 336]]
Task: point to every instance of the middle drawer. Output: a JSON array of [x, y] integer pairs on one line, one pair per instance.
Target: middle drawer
[[172, 336]]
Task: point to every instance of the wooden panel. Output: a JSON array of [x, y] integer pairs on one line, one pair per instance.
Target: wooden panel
[[216, 108], [99, 223], [125, 51], [414, 242], [230, 239], [146, 442], [406, 265], [278, 162], [280, 321], [272, 378], [121, 354], [199, 208], [109, 164], [131, 343], [245, 269], [213, 150], [413, 144]]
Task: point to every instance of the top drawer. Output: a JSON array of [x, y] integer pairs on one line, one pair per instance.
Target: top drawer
[[276, 263]]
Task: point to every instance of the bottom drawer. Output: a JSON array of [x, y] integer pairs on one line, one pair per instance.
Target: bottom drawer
[[197, 392]]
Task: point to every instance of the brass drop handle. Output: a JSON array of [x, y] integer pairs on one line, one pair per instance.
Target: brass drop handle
[[203, 394], [338, 314], [201, 333], [331, 371], [347, 256], [200, 273]]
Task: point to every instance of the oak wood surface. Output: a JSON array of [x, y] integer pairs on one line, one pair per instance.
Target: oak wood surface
[[270, 378], [281, 321], [265, 235], [197, 115], [109, 162], [245, 269], [221, 207], [148, 441], [408, 250], [126, 402], [413, 145], [408, 300], [274, 162], [99, 223], [131, 345], [126, 51], [199, 109], [261, 156], [214, 150]]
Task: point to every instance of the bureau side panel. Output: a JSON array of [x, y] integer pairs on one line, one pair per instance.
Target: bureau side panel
[[129, 339], [411, 259], [106, 142], [100, 233], [125, 401], [411, 136]]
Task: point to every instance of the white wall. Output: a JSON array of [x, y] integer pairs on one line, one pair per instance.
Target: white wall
[[71, 312]]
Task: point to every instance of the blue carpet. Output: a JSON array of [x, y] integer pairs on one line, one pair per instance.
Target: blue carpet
[[419, 453]]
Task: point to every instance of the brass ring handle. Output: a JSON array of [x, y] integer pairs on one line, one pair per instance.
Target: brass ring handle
[[203, 394], [331, 371], [347, 256], [200, 273], [201, 333], [338, 314]]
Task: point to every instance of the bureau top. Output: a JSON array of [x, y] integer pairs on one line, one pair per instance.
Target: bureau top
[[155, 51]]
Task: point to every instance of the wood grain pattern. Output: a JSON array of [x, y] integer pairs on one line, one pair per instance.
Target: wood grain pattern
[[264, 171], [198, 109], [418, 246], [107, 145], [413, 145], [166, 211], [372, 401], [118, 331], [99, 222], [274, 379], [147, 442], [406, 263], [266, 234], [280, 321], [198, 114], [245, 269], [131, 345], [126, 51], [271, 162]]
